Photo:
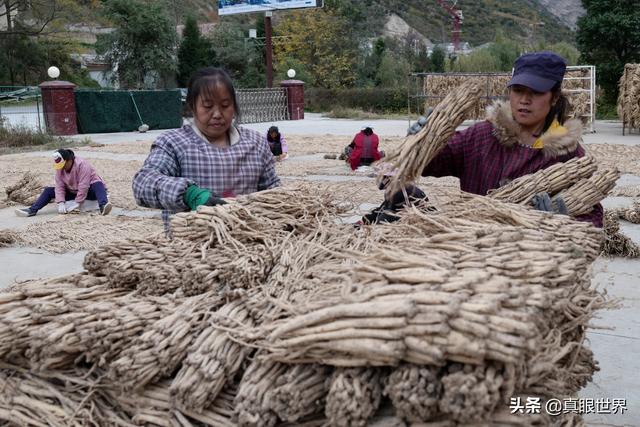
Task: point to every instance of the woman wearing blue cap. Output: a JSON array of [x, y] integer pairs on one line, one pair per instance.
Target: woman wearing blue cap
[[528, 133]]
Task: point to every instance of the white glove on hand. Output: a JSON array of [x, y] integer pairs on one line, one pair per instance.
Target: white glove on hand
[[73, 206], [62, 208]]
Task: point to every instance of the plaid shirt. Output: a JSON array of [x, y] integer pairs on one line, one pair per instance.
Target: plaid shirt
[[482, 162], [179, 158]]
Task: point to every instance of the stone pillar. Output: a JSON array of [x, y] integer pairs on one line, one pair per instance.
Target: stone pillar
[[295, 98], [59, 107]]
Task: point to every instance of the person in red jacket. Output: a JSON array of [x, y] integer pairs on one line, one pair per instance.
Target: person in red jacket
[[364, 148]]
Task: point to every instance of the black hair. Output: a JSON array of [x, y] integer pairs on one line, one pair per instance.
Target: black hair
[[273, 129], [560, 108], [201, 82], [66, 154], [368, 131]]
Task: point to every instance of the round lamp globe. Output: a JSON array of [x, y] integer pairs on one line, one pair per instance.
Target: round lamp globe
[[291, 73], [53, 72]]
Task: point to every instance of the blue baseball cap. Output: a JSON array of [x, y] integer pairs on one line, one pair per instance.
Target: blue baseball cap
[[539, 71]]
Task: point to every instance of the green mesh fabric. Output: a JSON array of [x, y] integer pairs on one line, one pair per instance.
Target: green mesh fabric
[[101, 111]]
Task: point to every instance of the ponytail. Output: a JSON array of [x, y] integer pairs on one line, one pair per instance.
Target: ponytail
[[560, 110]]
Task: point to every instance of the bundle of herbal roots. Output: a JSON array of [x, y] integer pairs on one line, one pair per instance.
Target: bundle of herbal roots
[[269, 310], [629, 97], [578, 182], [25, 191], [415, 153], [616, 243]]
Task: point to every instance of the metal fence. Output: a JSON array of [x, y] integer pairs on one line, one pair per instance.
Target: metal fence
[[21, 106], [262, 105]]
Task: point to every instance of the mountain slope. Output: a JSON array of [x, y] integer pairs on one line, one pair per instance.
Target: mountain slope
[[483, 19], [568, 11]]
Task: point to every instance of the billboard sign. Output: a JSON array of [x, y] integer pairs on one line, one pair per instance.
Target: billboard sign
[[230, 7]]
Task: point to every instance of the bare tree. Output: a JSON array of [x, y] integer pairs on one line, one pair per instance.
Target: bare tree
[[26, 17]]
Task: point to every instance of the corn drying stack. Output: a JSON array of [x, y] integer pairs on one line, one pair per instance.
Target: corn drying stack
[[576, 87], [629, 97], [494, 86]]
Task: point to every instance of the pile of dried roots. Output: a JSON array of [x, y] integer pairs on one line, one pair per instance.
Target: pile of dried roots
[[270, 311], [629, 97], [25, 191], [616, 243]]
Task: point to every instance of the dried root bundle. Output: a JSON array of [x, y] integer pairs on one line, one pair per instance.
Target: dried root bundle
[[415, 391], [252, 408], [631, 214], [96, 332], [616, 243], [62, 399], [156, 353], [258, 216], [418, 150], [583, 195], [152, 406], [552, 179], [354, 396], [471, 393], [213, 359], [299, 392], [628, 104], [8, 238], [25, 191]]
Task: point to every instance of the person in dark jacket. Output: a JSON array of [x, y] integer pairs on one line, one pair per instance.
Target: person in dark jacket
[[277, 144], [528, 133]]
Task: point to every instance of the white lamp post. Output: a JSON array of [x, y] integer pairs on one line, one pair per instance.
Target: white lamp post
[[53, 72], [291, 73]]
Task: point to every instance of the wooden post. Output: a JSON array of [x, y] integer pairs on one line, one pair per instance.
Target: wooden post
[[269, 48]]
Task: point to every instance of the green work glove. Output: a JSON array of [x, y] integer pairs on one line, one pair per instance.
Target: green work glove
[[196, 196]]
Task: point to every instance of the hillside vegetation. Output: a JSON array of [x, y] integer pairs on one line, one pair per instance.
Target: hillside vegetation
[[516, 19]]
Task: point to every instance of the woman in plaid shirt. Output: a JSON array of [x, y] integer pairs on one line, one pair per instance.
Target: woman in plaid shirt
[[519, 137], [207, 159]]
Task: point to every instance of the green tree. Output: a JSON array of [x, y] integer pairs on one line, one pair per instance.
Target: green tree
[[142, 47], [319, 38], [24, 61], [568, 51], [609, 37], [368, 66], [505, 50], [241, 58], [393, 71], [194, 53], [478, 61], [437, 60]]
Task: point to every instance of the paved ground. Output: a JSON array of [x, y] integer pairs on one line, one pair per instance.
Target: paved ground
[[616, 346]]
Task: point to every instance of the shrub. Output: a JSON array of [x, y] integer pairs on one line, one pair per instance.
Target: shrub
[[18, 138], [377, 100]]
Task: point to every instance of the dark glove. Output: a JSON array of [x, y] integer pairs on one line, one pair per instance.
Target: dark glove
[[386, 211], [196, 196], [542, 202]]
